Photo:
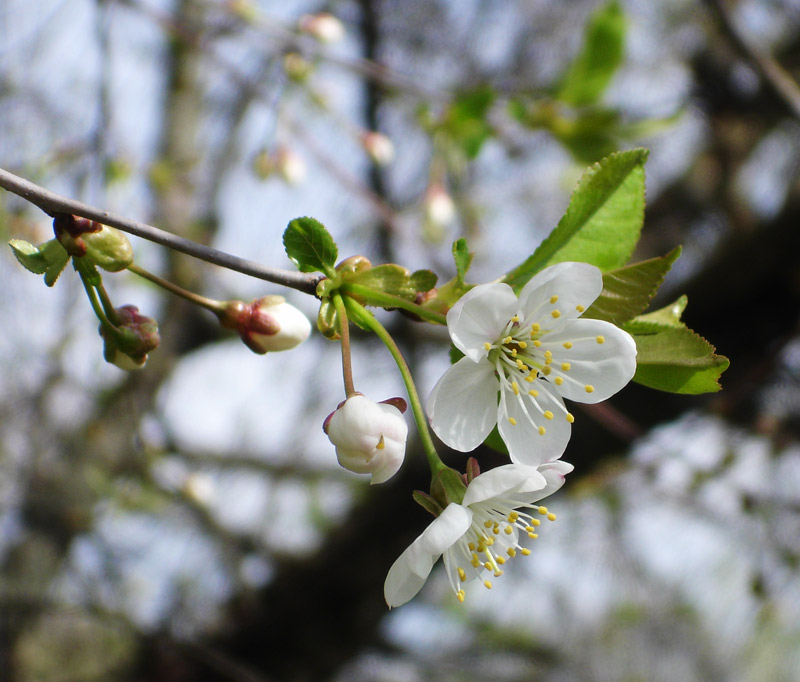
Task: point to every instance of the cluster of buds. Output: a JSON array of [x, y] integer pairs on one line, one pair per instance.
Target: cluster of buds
[[370, 437], [105, 246], [128, 342], [266, 324]]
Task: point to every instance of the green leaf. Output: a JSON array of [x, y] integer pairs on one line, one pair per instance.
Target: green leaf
[[668, 316], [602, 223], [678, 360], [595, 65], [393, 279], [462, 257], [627, 291], [48, 259], [466, 120], [590, 135], [423, 280], [310, 246]]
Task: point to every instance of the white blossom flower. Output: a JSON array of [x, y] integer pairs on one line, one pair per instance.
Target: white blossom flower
[[370, 437], [480, 535], [533, 351]]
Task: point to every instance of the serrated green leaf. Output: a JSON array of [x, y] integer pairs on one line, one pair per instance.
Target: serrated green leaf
[[602, 223], [310, 246], [678, 360], [627, 291], [601, 55], [668, 316], [48, 259], [462, 257], [590, 135]]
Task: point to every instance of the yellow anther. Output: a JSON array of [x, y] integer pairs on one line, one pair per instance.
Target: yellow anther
[[601, 339], [475, 563], [522, 344], [551, 516], [532, 536], [530, 379], [547, 414], [535, 327], [559, 381], [548, 361], [462, 575], [548, 354], [460, 595], [537, 343], [556, 313], [567, 344], [501, 560], [513, 516], [521, 365], [512, 421], [487, 346], [381, 444], [496, 530], [533, 392], [566, 366], [488, 523], [511, 552], [487, 584], [525, 551], [498, 573], [508, 530], [488, 566], [553, 298], [513, 352], [529, 529], [589, 388], [508, 339], [536, 522], [570, 417], [542, 430], [579, 308], [489, 541], [542, 510], [471, 546], [546, 370], [515, 318], [515, 387]]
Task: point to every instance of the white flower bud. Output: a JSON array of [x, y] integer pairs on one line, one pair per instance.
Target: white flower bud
[[271, 324], [379, 147], [323, 26], [291, 166], [370, 437], [438, 206]]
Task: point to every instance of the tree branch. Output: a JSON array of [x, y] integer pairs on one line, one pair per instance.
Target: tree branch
[[53, 204]]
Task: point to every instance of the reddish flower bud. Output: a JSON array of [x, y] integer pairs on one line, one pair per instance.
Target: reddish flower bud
[[267, 324], [128, 343]]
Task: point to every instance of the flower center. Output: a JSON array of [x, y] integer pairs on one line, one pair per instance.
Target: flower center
[[492, 541]]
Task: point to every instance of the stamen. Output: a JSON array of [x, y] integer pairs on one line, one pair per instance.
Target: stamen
[[579, 308], [525, 551], [533, 392], [600, 339], [487, 346], [556, 313], [460, 595], [589, 388], [381, 444], [488, 584], [515, 387], [542, 430], [535, 327], [567, 344], [565, 366], [501, 560], [551, 516], [537, 343], [515, 318], [542, 510], [523, 344], [558, 381], [462, 576], [547, 414], [570, 417], [553, 298]]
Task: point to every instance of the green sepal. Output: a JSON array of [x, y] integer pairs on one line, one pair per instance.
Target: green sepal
[[48, 259], [602, 52], [109, 249], [88, 271], [602, 223], [447, 486], [427, 502], [670, 356], [450, 292], [328, 321], [627, 291], [310, 246]]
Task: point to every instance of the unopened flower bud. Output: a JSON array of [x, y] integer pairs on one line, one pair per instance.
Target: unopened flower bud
[[109, 249], [267, 324], [379, 147], [370, 437], [297, 67], [323, 26], [128, 344], [290, 165]]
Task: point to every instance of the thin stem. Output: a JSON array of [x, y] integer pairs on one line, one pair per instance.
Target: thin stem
[[108, 306], [385, 300], [347, 366], [98, 309], [368, 320], [53, 204], [216, 307]]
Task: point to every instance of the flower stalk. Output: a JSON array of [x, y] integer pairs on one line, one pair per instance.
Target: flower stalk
[[216, 307], [364, 317], [347, 365]]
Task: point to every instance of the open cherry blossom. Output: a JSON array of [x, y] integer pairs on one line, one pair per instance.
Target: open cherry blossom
[[522, 357], [480, 535]]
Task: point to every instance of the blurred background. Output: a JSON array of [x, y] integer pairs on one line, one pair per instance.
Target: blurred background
[[189, 521]]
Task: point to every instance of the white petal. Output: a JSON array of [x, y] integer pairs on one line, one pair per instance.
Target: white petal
[[500, 480], [576, 285], [463, 405], [606, 367], [554, 473], [388, 460], [480, 316], [526, 445], [411, 569]]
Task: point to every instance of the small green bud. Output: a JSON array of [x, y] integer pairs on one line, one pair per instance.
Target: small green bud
[[127, 344], [109, 249]]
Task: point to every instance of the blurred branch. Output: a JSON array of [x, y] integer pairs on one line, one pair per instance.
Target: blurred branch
[[53, 204], [776, 77]]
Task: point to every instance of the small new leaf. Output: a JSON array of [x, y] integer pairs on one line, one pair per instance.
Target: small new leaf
[[602, 223], [462, 257], [48, 259], [310, 246]]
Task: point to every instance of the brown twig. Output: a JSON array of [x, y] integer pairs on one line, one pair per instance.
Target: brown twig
[[53, 204]]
